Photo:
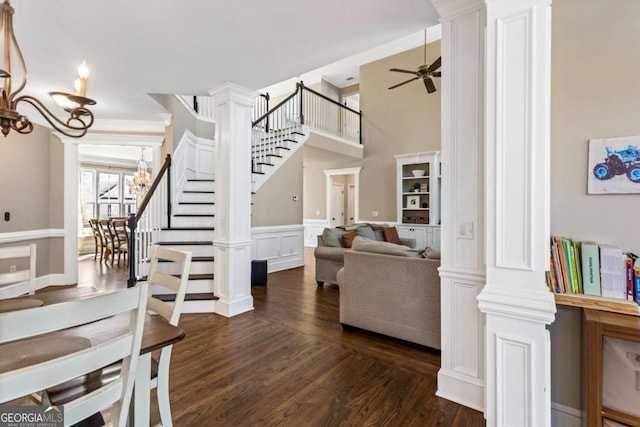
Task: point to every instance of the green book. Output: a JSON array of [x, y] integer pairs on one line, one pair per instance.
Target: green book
[[590, 268], [566, 243]]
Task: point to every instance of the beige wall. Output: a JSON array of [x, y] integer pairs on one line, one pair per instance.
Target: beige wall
[[594, 94], [183, 120], [398, 121], [32, 170], [273, 203], [316, 161]]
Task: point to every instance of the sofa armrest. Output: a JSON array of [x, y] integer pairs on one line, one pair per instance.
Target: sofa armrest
[[408, 241], [330, 253]]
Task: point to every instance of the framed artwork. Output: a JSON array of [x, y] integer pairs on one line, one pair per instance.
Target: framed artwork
[[413, 202], [614, 165]]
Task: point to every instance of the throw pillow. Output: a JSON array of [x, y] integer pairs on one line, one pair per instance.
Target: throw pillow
[[332, 237], [347, 238], [366, 232], [391, 235], [430, 253]]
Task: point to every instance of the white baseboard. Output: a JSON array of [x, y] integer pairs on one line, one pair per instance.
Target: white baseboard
[[465, 391], [52, 280], [233, 308], [281, 245], [312, 229], [564, 416]]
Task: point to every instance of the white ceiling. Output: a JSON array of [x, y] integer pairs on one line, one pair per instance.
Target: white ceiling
[[138, 47]]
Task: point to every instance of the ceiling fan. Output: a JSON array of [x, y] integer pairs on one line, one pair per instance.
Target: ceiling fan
[[423, 72]]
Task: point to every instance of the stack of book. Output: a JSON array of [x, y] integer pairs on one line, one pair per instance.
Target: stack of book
[[593, 269]]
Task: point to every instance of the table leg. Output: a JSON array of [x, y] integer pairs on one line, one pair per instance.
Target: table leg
[[141, 395]]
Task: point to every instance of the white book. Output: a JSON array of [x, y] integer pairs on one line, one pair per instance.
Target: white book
[[613, 278]]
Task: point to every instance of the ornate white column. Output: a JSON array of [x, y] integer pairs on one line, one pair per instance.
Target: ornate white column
[[515, 300], [232, 246], [462, 270]]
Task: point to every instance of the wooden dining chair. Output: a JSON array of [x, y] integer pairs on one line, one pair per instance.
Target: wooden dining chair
[[23, 281], [45, 356], [173, 283], [98, 238], [119, 228]]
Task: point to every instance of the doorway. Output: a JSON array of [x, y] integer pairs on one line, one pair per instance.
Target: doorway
[[342, 196]]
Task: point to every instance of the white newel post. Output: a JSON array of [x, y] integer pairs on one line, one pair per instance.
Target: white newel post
[[515, 300], [232, 265], [462, 270]]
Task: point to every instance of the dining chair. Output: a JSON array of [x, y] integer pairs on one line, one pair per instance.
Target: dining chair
[[103, 225], [174, 283], [45, 356], [98, 238], [15, 283], [119, 227]]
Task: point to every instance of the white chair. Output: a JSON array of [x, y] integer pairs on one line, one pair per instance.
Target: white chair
[[80, 358], [169, 312], [16, 283]]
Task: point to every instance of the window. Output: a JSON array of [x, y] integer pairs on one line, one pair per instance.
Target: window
[[104, 193]]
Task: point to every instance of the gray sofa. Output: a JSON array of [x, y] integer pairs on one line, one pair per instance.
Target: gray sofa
[[329, 253], [393, 295]]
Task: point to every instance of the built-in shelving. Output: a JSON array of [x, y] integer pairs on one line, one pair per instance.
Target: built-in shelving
[[615, 305]]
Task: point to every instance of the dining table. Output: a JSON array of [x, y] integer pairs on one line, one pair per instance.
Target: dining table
[[157, 333]]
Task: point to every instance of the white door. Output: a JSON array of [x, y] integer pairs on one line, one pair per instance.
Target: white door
[[337, 205], [351, 204]]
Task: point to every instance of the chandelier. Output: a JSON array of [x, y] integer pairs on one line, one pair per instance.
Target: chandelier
[[141, 178], [80, 117]]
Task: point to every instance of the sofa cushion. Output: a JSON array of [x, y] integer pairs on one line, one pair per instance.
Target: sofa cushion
[[391, 235], [367, 232], [366, 245], [332, 237], [347, 238]]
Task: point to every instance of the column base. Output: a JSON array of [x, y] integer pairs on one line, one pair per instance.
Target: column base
[[461, 389], [233, 308]]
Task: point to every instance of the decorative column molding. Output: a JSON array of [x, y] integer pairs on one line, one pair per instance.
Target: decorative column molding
[[515, 300], [462, 272], [232, 246]]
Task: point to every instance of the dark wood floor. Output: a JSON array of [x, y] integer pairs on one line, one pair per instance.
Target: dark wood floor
[[290, 363]]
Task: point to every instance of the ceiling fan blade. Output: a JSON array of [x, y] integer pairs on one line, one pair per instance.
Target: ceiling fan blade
[[436, 74], [404, 83], [398, 70], [436, 64], [428, 83]]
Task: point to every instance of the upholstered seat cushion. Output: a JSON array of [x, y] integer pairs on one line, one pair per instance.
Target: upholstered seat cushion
[[361, 244]]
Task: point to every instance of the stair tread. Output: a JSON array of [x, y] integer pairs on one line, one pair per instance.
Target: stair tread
[[298, 133], [290, 140], [201, 180], [258, 173], [273, 155], [193, 259], [197, 215], [264, 163], [197, 192], [189, 229], [273, 148], [196, 203], [186, 242], [202, 296], [193, 276]]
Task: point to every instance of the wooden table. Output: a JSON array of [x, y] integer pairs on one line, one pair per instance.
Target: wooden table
[[157, 333]]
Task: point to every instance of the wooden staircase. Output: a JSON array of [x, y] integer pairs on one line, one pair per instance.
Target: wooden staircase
[[192, 229]]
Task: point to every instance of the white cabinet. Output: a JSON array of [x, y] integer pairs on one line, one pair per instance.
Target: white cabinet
[[425, 235], [418, 197]]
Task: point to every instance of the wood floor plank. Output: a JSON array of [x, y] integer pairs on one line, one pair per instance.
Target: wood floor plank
[[289, 362]]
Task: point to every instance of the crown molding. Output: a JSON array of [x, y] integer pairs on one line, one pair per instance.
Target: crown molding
[[114, 139], [448, 9], [102, 125]]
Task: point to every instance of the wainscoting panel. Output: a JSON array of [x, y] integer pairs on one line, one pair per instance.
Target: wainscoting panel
[[312, 229], [282, 246]]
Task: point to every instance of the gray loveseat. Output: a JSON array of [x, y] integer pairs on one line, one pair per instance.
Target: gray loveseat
[[393, 295], [329, 253]]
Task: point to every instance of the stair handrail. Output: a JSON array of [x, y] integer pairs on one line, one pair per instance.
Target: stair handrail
[[300, 88], [277, 106], [134, 218]]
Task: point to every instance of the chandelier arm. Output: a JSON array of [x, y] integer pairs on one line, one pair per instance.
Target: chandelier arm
[[52, 119], [25, 127]]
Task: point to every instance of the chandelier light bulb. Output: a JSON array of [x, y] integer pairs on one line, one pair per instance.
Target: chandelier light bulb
[[83, 70]]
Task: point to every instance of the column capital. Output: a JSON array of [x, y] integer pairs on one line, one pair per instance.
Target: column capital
[[231, 91], [533, 306], [448, 9]]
